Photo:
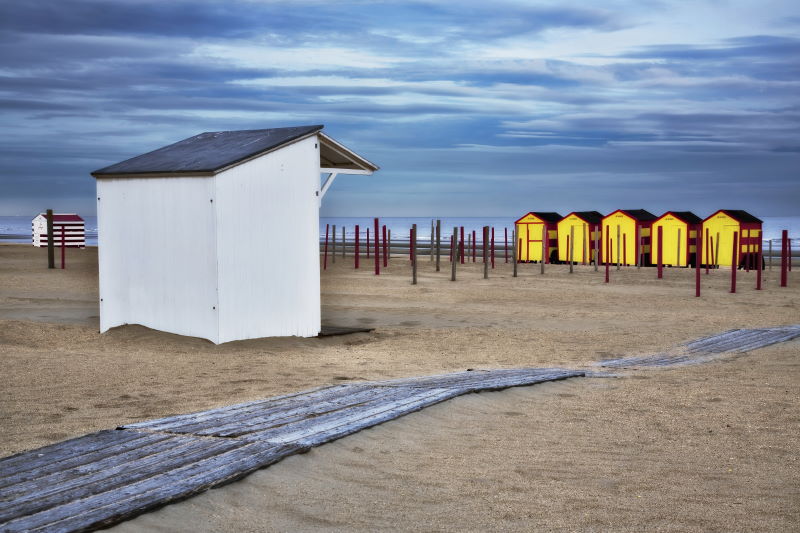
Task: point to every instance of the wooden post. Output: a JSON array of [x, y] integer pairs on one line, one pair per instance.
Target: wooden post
[[707, 250], [355, 251], [716, 252], [63, 246], [485, 252], [505, 243], [638, 238], [570, 242], [431, 249], [785, 251], [625, 248], [385, 248], [607, 247], [51, 253], [678, 257], [544, 249], [452, 247], [325, 255], [413, 254], [770, 254], [461, 246], [438, 244], [660, 254], [367, 246], [474, 245], [618, 246], [453, 255], [516, 250], [377, 249], [760, 259], [333, 239], [698, 242], [607, 254], [734, 262], [410, 255], [596, 248], [585, 244], [747, 254], [389, 233], [491, 249]]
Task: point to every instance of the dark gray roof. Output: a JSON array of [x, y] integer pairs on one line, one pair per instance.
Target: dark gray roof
[[548, 216], [640, 214], [686, 216], [592, 217], [741, 216], [208, 152]]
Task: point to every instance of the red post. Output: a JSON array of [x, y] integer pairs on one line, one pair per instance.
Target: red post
[[356, 255], [759, 260], [625, 249], [546, 238], [608, 252], [367, 246], [474, 246], [385, 249], [461, 246], [505, 243], [63, 246], [377, 250], [325, 255], [698, 241], [734, 262], [660, 252], [410, 245], [492, 249], [785, 256], [707, 250], [747, 254]]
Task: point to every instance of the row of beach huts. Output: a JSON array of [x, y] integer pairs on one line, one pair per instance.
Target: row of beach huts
[[638, 237]]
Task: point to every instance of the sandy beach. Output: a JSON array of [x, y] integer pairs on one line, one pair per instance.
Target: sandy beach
[[704, 448]]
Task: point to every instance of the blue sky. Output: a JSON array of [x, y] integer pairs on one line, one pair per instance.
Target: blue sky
[[470, 108]]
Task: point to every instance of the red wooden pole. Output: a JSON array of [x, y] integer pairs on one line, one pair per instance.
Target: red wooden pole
[[385, 249], [356, 247], [608, 244], [474, 246], [505, 243], [377, 250], [367, 246], [546, 234], [759, 260], [63, 246], [698, 241], [707, 250], [461, 246], [746, 243], [660, 252], [734, 262], [492, 249], [325, 255], [410, 245], [785, 253]]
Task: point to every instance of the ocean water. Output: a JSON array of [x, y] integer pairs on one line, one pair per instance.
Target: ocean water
[[17, 229]]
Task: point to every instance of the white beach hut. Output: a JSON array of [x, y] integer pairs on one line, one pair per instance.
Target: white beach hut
[[67, 225], [175, 255]]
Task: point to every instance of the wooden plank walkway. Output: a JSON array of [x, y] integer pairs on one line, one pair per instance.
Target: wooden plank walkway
[[110, 476], [709, 348]]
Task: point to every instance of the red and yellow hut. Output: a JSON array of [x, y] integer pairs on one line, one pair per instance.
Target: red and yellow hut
[[679, 231], [584, 226], [626, 228], [718, 234], [529, 231]]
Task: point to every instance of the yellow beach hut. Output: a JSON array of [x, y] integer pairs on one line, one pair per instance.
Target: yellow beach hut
[[632, 226], [718, 230], [583, 225], [529, 231], [679, 230]]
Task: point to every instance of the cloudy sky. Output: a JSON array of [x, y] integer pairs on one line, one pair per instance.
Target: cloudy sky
[[470, 108]]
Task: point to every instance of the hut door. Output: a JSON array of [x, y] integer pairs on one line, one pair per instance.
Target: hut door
[[726, 244], [535, 241]]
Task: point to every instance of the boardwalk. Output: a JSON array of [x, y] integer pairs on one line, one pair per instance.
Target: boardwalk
[[106, 477]]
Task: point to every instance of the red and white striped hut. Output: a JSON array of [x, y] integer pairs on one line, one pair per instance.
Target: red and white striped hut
[[71, 224]]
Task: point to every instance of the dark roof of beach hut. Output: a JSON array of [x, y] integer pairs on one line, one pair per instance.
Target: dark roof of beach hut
[[640, 214], [547, 216], [740, 215], [211, 152], [592, 217], [686, 216]]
